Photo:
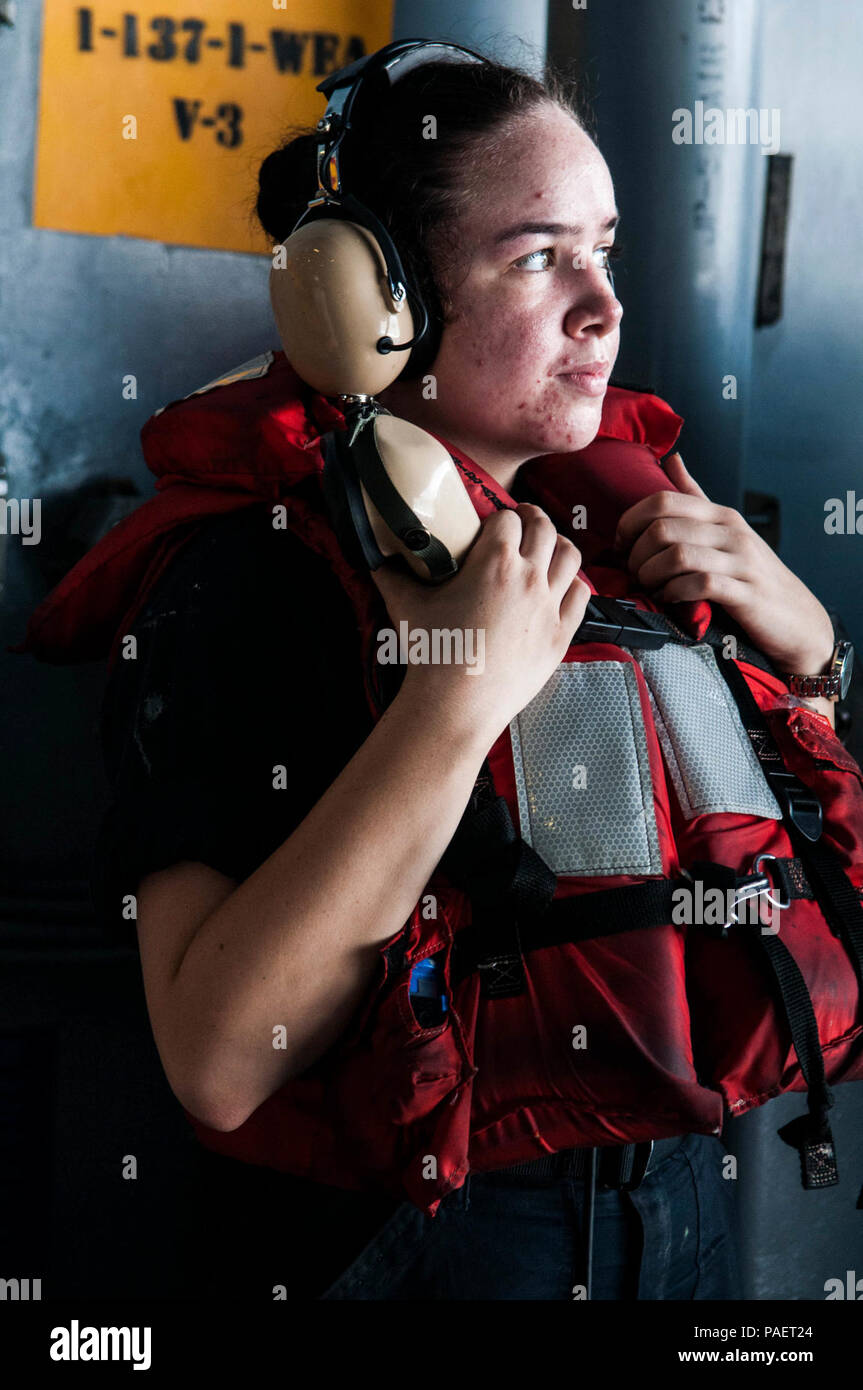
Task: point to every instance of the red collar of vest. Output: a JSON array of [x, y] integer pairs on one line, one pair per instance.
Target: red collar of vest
[[230, 446]]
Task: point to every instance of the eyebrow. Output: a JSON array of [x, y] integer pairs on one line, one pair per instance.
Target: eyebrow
[[521, 229]]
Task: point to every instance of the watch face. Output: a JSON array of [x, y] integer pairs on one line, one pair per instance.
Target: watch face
[[846, 666]]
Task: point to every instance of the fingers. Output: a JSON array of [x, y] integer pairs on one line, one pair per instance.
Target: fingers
[[529, 529], [671, 532], [573, 606], [681, 476], [504, 526], [686, 559], [539, 535], [660, 505], [564, 566], [735, 595]]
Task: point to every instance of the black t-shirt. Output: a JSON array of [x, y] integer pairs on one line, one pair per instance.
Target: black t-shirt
[[248, 660]]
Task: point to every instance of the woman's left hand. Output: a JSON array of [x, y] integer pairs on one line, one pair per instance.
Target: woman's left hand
[[691, 548]]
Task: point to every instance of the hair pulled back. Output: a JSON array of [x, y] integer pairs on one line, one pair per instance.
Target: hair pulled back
[[415, 184]]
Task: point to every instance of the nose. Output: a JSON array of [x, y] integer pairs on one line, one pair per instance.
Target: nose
[[595, 306]]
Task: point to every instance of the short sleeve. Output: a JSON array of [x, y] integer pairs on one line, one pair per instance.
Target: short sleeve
[[239, 703]]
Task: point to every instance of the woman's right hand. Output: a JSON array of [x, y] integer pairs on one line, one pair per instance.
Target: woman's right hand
[[519, 586]]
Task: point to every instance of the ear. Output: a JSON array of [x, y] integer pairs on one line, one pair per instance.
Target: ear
[[681, 477]]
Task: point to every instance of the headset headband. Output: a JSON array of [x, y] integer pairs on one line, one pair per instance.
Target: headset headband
[[395, 60]]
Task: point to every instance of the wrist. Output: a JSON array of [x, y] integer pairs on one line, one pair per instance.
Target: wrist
[[443, 701], [812, 660]]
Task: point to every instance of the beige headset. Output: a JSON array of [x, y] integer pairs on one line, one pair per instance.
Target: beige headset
[[343, 311]]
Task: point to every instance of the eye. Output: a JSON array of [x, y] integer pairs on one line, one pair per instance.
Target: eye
[[523, 262], [610, 253], [546, 255]]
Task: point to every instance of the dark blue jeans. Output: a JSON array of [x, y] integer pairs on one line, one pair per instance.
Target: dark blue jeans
[[501, 1236]]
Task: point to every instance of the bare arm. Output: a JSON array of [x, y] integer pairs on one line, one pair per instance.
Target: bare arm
[[296, 944]]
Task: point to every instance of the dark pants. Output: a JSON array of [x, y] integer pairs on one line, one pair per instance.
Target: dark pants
[[502, 1236]]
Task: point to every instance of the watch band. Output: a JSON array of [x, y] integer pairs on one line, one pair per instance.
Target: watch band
[[828, 687]]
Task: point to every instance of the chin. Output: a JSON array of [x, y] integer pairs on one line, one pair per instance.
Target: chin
[[576, 433]]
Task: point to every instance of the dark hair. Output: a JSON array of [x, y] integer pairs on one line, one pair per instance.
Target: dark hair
[[415, 185]]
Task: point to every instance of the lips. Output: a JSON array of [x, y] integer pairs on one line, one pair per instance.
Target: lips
[[590, 378], [599, 365]]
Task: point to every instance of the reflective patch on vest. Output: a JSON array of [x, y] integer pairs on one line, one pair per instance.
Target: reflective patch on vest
[[247, 371], [707, 750], [582, 773]]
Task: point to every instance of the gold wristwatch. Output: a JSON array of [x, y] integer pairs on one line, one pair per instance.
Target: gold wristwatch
[[832, 684]]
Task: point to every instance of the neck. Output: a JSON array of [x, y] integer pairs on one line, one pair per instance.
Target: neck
[[405, 399]]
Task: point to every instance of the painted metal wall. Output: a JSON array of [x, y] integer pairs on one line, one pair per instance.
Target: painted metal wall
[[805, 424]]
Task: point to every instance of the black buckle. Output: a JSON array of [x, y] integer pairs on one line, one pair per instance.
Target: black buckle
[[799, 805], [619, 622], [624, 1168]]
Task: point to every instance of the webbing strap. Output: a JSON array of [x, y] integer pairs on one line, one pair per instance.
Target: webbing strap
[[495, 942], [715, 636], [507, 882], [809, 1134], [494, 864], [604, 912]]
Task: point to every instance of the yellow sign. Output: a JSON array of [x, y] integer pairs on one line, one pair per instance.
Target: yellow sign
[[153, 121]]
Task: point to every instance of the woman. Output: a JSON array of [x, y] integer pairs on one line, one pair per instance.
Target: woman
[[264, 907]]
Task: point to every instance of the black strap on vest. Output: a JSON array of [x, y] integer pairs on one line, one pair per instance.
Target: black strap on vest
[[607, 912], [509, 886]]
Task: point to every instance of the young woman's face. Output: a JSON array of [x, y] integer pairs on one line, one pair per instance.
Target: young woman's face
[[531, 302]]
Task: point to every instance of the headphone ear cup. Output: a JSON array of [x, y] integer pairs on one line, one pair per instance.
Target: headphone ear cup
[[331, 302], [429, 483]]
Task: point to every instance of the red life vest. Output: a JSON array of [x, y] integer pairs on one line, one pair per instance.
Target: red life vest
[[557, 1033]]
